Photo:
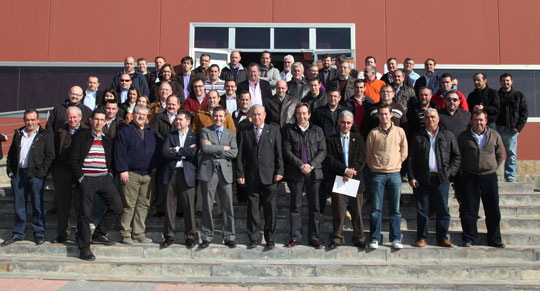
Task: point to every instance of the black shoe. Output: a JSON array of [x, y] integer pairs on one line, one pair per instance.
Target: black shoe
[[39, 241], [270, 245], [86, 254], [316, 244], [103, 240], [167, 242], [231, 244], [204, 244], [10, 241], [500, 245], [360, 244], [252, 245], [159, 214], [190, 243], [59, 240], [467, 244], [332, 246]]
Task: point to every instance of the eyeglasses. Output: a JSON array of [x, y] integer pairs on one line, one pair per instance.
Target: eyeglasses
[[124, 81], [452, 99], [198, 86]]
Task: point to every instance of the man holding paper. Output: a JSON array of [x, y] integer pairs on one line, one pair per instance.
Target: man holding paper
[[346, 158]]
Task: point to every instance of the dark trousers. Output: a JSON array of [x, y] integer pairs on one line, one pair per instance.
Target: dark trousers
[[458, 186], [23, 185], [65, 191], [179, 190], [312, 193], [339, 208], [478, 187], [257, 195], [436, 196], [105, 188]]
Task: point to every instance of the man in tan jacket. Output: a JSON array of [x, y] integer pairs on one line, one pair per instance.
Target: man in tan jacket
[[386, 149]]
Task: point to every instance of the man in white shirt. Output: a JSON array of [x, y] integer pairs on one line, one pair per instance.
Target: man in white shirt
[[93, 96]]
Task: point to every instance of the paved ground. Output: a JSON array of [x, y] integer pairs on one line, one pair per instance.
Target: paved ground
[[56, 285]]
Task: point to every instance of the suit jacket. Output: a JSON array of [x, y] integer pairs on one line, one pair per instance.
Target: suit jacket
[[62, 145], [162, 125], [186, 153], [356, 159], [138, 80], [80, 146], [216, 153], [194, 75], [266, 91], [332, 74], [298, 89], [259, 161], [99, 98], [349, 88], [280, 113], [324, 118]]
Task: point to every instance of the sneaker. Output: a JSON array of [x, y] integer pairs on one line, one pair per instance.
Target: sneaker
[[92, 227], [374, 245], [397, 245], [127, 240], [144, 240]]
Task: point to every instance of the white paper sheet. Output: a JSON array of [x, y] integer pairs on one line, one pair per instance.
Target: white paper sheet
[[350, 188]]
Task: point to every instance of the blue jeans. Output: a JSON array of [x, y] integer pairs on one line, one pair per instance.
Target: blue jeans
[[379, 183], [435, 194], [23, 186], [509, 139]]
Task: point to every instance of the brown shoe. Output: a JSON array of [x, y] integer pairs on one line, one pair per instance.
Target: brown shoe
[[421, 243], [446, 243], [292, 243], [169, 240]]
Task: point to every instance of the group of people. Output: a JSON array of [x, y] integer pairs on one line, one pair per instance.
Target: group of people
[[178, 142]]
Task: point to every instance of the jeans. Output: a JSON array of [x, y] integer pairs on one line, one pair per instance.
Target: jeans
[[436, 195], [509, 139], [379, 183], [24, 185]]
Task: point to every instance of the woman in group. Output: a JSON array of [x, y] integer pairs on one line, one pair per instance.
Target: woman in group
[[166, 74], [133, 94], [142, 100]]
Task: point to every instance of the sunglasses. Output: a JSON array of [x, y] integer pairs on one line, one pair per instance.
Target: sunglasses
[[125, 80]]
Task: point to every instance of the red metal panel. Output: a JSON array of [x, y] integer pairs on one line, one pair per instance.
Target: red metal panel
[[528, 142], [103, 31], [452, 32], [24, 27], [519, 27]]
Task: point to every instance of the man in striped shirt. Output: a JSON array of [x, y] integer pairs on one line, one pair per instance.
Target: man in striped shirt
[[91, 163]]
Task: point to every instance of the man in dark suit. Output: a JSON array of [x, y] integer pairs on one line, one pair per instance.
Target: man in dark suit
[[327, 73], [91, 164], [280, 108], [218, 146], [186, 77], [93, 97], [259, 89], [346, 157], [259, 165], [180, 172]]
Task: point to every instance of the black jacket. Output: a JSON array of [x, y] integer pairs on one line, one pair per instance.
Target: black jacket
[[315, 102], [328, 120], [40, 155], [262, 161], [266, 91], [488, 98], [371, 119], [162, 125], [332, 73], [80, 146], [58, 116], [357, 157], [513, 110], [446, 153], [227, 74], [293, 143]]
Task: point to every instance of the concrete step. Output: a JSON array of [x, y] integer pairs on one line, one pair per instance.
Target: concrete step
[[282, 236], [297, 268], [475, 254]]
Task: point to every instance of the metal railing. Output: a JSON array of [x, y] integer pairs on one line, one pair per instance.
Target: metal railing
[[43, 116]]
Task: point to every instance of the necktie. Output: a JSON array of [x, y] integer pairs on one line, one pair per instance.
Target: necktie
[[258, 134], [346, 150], [218, 132]]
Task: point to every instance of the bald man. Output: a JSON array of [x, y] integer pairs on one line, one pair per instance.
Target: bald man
[[138, 79], [58, 115]]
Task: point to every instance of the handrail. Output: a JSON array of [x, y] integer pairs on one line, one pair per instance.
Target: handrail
[[19, 113]]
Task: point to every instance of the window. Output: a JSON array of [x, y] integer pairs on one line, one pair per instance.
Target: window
[[291, 38], [333, 38], [211, 37], [253, 38]]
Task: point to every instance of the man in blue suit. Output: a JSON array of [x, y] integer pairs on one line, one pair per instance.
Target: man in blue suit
[[180, 152]]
